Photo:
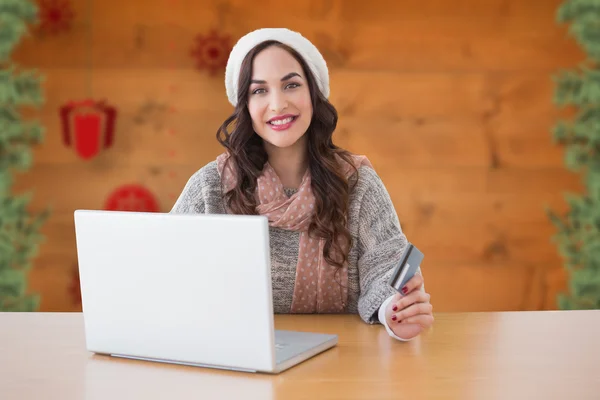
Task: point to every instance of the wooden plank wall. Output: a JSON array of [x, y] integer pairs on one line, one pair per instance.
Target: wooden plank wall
[[451, 100]]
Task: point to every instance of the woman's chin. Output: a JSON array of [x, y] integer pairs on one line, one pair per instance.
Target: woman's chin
[[283, 140]]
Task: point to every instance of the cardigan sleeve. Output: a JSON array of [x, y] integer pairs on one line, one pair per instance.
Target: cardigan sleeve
[[380, 246], [191, 199]]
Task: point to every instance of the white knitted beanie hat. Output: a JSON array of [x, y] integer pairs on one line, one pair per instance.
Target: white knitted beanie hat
[[303, 46]]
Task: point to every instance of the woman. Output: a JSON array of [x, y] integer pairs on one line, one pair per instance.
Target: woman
[[335, 236]]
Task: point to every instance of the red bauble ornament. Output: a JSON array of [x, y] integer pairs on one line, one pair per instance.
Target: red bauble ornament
[[55, 16], [132, 198], [212, 51], [89, 126]]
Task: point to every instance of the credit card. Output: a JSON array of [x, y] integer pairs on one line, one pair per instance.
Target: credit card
[[407, 267]]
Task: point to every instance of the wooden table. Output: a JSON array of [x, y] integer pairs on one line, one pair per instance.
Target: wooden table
[[519, 355]]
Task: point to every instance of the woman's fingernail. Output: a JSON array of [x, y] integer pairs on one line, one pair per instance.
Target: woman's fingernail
[[393, 317], [404, 289], [395, 308]]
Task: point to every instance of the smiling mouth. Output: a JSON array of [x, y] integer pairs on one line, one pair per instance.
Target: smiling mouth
[[281, 122]]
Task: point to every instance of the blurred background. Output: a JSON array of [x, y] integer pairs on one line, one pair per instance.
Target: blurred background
[[452, 101]]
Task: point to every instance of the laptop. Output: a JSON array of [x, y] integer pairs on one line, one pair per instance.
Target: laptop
[[192, 289]]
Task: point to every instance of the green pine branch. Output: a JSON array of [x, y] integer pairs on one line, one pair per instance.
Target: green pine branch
[[20, 88], [19, 228], [584, 19], [15, 16]]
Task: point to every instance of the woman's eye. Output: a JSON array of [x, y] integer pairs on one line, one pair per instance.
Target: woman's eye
[[293, 85], [257, 91]]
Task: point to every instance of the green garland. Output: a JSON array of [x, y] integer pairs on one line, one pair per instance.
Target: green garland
[[19, 229], [578, 236]]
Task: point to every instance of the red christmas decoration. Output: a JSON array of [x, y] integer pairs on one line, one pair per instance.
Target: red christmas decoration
[[55, 16], [211, 51], [88, 126], [132, 198], [74, 288]]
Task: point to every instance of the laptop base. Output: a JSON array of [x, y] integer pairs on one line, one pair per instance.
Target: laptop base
[[291, 348]]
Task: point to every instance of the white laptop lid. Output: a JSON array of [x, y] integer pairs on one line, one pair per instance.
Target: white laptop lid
[[184, 288]]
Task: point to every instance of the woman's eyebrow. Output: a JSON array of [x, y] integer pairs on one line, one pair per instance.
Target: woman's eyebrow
[[285, 78]]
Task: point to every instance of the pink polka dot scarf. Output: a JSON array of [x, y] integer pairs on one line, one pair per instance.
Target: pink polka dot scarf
[[317, 287]]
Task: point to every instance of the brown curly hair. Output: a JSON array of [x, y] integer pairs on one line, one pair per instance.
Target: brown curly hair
[[329, 184]]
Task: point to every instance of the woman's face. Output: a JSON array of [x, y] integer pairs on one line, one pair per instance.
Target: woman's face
[[279, 99]]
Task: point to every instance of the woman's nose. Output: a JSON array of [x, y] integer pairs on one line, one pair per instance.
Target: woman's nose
[[278, 102]]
